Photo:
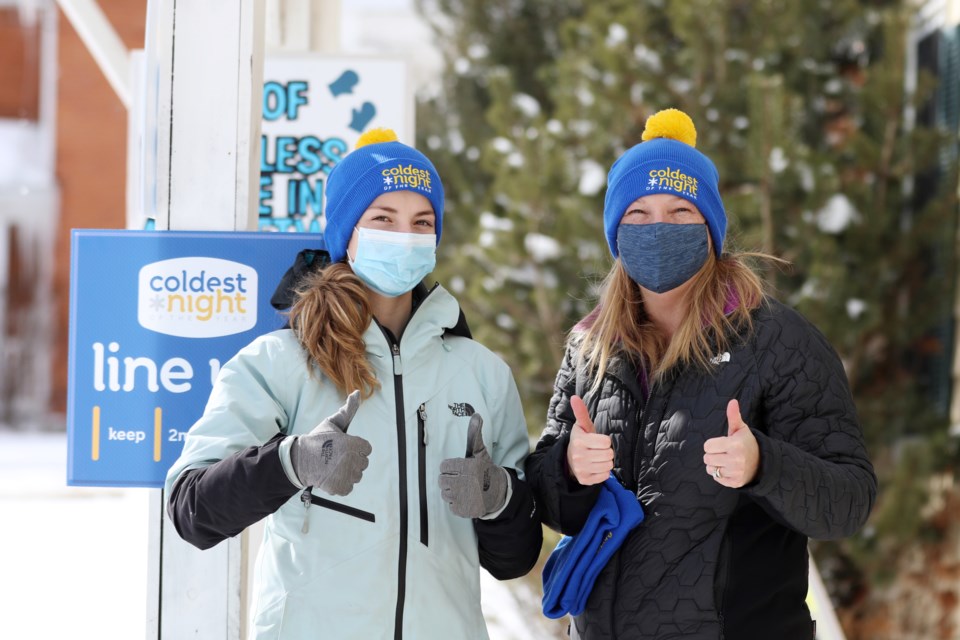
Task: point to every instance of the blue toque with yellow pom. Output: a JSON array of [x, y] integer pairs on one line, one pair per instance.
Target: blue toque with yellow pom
[[665, 162], [378, 164]]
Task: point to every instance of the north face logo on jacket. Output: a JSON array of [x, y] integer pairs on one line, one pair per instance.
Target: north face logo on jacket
[[462, 409], [720, 358]]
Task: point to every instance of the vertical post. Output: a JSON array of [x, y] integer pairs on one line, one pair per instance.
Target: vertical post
[[325, 27], [952, 22], [136, 132], [210, 87], [302, 26], [828, 627], [205, 159]]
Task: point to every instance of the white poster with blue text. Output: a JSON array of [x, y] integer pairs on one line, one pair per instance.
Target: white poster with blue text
[[153, 316], [314, 109]]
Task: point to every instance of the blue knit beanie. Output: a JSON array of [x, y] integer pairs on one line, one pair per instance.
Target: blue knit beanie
[[378, 164], [665, 162]]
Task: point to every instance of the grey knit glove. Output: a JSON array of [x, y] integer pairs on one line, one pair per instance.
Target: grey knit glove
[[473, 486], [329, 459]]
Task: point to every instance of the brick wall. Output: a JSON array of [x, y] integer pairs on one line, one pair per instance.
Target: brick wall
[[19, 95], [91, 156]]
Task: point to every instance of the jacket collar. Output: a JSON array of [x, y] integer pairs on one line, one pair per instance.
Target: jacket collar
[[420, 293], [628, 374], [435, 313]]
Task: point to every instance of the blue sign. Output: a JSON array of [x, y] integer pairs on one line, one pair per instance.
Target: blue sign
[[153, 316]]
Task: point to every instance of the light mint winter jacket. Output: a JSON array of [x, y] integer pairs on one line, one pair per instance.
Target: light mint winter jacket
[[350, 567]]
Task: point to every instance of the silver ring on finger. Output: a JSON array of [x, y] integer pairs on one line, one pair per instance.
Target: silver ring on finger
[[716, 473]]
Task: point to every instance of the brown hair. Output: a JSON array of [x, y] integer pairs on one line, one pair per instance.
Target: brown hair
[[329, 317], [620, 325]]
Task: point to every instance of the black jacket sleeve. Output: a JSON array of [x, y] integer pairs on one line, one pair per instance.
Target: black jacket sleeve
[[210, 504], [814, 472], [510, 544], [564, 502]]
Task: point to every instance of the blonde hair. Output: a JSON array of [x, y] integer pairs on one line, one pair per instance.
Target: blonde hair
[[329, 317], [620, 325]]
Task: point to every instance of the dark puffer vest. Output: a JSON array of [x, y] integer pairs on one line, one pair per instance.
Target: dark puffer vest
[[711, 562]]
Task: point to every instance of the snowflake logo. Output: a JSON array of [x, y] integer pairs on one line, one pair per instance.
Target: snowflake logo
[[388, 180], [652, 182], [156, 303]]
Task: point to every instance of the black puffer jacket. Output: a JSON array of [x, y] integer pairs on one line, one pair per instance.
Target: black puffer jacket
[[712, 562]]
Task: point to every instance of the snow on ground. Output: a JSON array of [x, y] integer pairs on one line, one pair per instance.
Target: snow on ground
[[73, 560]]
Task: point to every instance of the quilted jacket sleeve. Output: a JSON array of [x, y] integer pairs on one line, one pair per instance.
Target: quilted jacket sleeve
[[564, 502], [814, 473]]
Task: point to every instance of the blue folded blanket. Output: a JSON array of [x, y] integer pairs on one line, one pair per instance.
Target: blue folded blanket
[[575, 563]]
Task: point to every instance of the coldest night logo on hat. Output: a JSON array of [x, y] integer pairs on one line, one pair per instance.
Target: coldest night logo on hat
[[669, 179], [406, 177], [666, 161], [378, 164]]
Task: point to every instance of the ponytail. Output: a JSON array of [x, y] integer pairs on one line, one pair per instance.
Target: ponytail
[[329, 317]]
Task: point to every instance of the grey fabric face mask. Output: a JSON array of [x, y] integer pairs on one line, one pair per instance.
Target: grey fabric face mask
[[662, 256]]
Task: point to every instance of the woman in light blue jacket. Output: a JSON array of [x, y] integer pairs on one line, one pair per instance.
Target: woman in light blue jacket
[[382, 444]]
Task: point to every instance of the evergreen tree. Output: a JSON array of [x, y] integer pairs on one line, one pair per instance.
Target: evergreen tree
[[803, 108], [505, 174]]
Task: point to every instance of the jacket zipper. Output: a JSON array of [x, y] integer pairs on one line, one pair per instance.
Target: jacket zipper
[[636, 473], [309, 499], [402, 484], [723, 573], [422, 470], [641, 433], [402, 471]]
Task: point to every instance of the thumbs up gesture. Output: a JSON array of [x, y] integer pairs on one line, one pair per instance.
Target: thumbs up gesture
[[733, 460], [473, 486], [589, 454], [328, 458]]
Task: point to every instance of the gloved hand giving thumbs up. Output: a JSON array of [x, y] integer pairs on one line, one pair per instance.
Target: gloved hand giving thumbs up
[[473, 486], [589, 454], [328, 458]]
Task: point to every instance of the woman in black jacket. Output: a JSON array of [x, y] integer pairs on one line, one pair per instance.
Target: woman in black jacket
[[727, 413]]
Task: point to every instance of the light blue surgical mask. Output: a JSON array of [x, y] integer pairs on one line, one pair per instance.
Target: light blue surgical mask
[[392, 263], [662, 256]]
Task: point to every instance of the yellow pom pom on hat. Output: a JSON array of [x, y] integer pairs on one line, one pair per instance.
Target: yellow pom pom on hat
[[667, 161], [374, 136], [378, 164], [670, 123]]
